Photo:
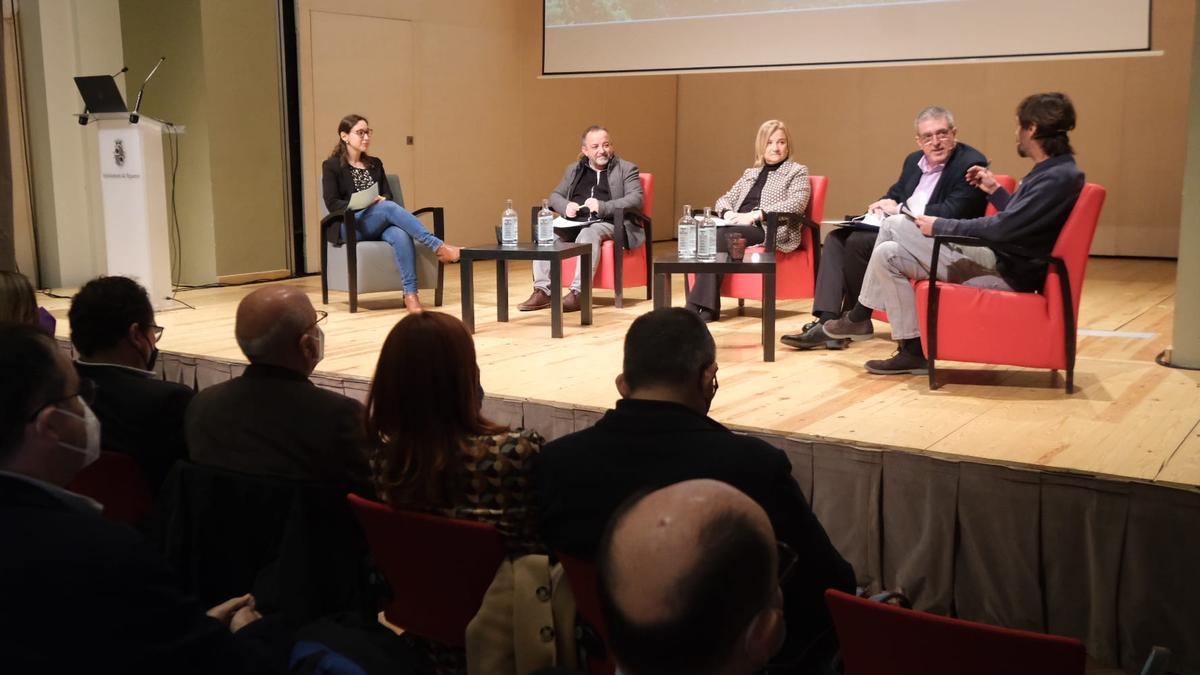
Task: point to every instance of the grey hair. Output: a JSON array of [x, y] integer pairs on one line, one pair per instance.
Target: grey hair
[[279, 338], [934, 112]]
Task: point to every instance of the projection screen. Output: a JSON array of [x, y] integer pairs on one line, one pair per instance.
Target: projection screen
[[584, 37]]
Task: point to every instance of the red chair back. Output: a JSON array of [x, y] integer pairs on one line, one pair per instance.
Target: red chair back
[[648, 192], [1073, 246], [438, 568], [581, 574], [116, 481], [878, 639], [1008, 183]]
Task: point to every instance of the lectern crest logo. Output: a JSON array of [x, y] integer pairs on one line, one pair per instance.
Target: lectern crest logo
[[119, 152]]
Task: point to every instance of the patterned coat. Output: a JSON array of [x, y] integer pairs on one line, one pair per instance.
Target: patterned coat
[[497, 487], [786, 191]]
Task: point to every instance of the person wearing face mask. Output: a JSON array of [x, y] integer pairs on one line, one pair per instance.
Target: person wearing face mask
[[272, 420], [659, 434], [62, 559], [688, 578], [116, 344], [775, 184], [591, 190]]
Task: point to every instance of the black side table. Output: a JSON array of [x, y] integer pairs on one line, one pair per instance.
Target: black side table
[[527, 251], [753, 263]]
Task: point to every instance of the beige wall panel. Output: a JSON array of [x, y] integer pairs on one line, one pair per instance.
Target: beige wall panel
[[485, 121], [26, 255], [178, 93], [249, 190], [854, 125]]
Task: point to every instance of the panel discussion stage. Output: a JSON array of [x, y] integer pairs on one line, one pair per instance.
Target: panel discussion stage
[[998, 497]]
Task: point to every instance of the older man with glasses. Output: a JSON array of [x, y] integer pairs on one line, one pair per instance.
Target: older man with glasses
[[116, 340], [933, 181], [272, 420]]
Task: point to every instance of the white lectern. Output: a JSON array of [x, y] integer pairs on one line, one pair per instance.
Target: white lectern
[[135, 202]]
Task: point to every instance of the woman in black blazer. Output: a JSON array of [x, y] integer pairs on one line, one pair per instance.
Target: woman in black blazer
[[350, 169]]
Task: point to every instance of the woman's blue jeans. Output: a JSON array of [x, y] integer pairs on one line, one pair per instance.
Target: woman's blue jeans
[[388, 221]]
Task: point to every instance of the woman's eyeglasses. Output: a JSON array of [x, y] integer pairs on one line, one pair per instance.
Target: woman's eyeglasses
[[363, 133]]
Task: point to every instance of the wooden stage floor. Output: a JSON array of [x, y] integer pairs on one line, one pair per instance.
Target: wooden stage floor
[[1129, 418]]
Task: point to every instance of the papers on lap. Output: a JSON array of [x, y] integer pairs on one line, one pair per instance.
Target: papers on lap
[[867, 221], [364, 198], [561, 223]]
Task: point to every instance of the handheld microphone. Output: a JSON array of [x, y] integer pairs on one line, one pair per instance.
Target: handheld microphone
[[83, 116], [134, 116]]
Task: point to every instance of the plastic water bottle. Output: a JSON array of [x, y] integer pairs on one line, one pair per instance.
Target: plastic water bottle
[[706, 237], [545, 225], [687, 234], [508, 225]]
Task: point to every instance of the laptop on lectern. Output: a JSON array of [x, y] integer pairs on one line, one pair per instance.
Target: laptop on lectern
[[100, 94]]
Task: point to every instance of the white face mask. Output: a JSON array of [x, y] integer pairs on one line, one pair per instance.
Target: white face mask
[[320, 344], [92, 425]]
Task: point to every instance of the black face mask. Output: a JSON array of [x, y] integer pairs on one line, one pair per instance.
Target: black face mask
[[153, 358]]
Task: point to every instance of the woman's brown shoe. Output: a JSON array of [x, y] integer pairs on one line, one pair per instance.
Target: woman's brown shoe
[[412, 302], [447, 253]]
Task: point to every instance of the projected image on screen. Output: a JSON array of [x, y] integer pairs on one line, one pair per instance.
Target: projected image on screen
[[583, 37], [578, 12]]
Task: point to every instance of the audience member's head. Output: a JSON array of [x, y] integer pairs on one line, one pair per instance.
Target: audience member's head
[[17, 302], [47, 430], [688, 582], [424, 402], [112, 321], [277, 326], [670, 356], [1047, 119]]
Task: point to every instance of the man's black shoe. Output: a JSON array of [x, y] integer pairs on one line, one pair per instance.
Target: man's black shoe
[[901, 363], [812, 337]]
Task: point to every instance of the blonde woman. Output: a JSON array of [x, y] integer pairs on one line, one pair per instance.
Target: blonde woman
[[775, 184]]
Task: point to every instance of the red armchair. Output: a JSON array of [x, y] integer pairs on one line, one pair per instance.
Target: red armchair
[[116, 481], [438, 568], [796, 272], [1008, 183], [581, 574], [1034, 330], [632, 268], [878, 639]]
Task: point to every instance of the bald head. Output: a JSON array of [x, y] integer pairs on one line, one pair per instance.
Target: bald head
[[273, 323], [690, 565]]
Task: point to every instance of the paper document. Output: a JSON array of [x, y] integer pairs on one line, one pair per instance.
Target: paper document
[[867, 221], [364, 198], [563, 223]]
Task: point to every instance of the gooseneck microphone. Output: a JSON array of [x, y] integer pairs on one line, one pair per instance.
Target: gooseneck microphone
[[83, 116], [134, 116]]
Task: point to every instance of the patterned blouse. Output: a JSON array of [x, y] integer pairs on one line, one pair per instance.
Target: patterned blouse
[[362, 178], [785, 191], [498, 487]]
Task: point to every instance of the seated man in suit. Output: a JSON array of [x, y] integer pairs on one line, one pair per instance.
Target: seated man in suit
[[591, 189], [82, 594], [932, 181], [1031, 219], [660, 434], [115, 337], [689, 582], [272, 420]]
